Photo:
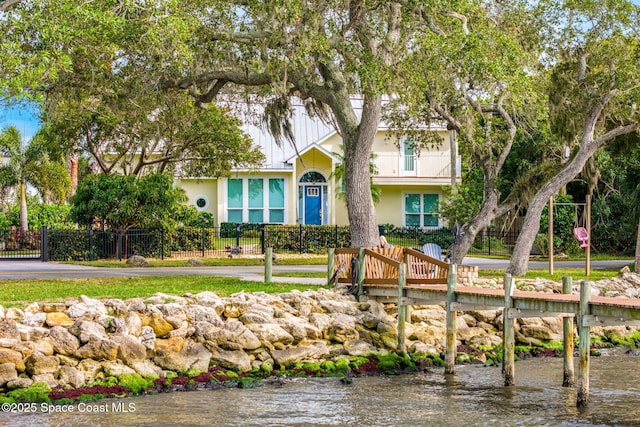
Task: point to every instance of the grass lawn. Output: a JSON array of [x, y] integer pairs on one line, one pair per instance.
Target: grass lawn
[[18, 293]]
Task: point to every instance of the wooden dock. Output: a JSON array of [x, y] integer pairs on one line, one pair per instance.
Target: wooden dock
[[407, 277]]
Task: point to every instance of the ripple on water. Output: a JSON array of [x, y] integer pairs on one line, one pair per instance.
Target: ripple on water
[[473, 397]]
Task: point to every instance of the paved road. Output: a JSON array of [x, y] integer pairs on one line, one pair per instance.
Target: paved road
[[41, 270], [48, 270]]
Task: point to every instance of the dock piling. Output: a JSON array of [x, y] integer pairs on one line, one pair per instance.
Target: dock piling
[[508, 341], [450, 351], [584, 345], [567, 331]]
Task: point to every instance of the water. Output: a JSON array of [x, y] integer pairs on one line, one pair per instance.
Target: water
[[473, 397]]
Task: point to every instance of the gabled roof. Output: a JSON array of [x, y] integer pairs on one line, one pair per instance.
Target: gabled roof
[[311, 147]]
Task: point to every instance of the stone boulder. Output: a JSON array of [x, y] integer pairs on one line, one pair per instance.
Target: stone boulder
[[63, 341], [13, 357], [130, 350], [8, 373], [58, 319], [38, 364], [85, 329], [70, 375], [193, 355], [271, 333], [295, 354], [230, 359], [98, 349], [138, 261]]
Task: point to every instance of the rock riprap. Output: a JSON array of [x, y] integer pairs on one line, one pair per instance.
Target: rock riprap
[[77, 342]]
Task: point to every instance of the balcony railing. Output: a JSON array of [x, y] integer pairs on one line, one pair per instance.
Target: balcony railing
[[425, 165]]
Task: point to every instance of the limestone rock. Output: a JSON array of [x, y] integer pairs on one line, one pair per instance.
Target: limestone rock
[[13, 313], [32, 333], [160, 326], [63, 341], [89, 368], [148, 337], [192, 356], [44, 346], [35, 320], [271, 333], [88, 307], [98, 348], [170, 345], [8, 373], [56, 318], [130, 350], [300, 329], [146, 368], [195, 262], [359, 348], [38, 363], [13, 357], [47, 378], [85, 329], [294, 354], [133, 324], [342, 328], [70, 375], [9, 329], [138, 261], [230, 359], [195, 313], [54, 307], [114, 368]]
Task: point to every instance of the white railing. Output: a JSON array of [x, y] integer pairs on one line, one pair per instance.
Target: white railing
[[425, 165]]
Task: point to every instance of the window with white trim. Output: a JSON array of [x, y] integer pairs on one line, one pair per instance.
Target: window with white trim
[[421, 210], [256, 200]]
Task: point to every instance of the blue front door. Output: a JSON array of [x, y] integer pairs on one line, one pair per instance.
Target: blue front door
[[312, 204]]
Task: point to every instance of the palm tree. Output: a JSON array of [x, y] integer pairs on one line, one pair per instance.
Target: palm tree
[[30, 165]]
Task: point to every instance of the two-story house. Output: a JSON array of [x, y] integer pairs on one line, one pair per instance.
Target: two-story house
[[297, 186]]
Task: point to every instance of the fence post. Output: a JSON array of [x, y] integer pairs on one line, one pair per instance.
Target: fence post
[[44, 244], [91, 244], [361, 276], [301, 243], [331, 264], [262, 239], [162, 243], [336, 244], [489, 231], [268, 265], [202, 238]]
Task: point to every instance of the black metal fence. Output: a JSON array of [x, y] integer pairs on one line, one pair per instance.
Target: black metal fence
[[234, 239], [17, 244]]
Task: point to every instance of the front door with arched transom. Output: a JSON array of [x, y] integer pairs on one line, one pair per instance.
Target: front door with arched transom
[[312, 198]]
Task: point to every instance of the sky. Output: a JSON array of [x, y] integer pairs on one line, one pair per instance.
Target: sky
[[23, 116]]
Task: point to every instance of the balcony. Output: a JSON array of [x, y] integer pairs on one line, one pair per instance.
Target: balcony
[[425, 166]]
